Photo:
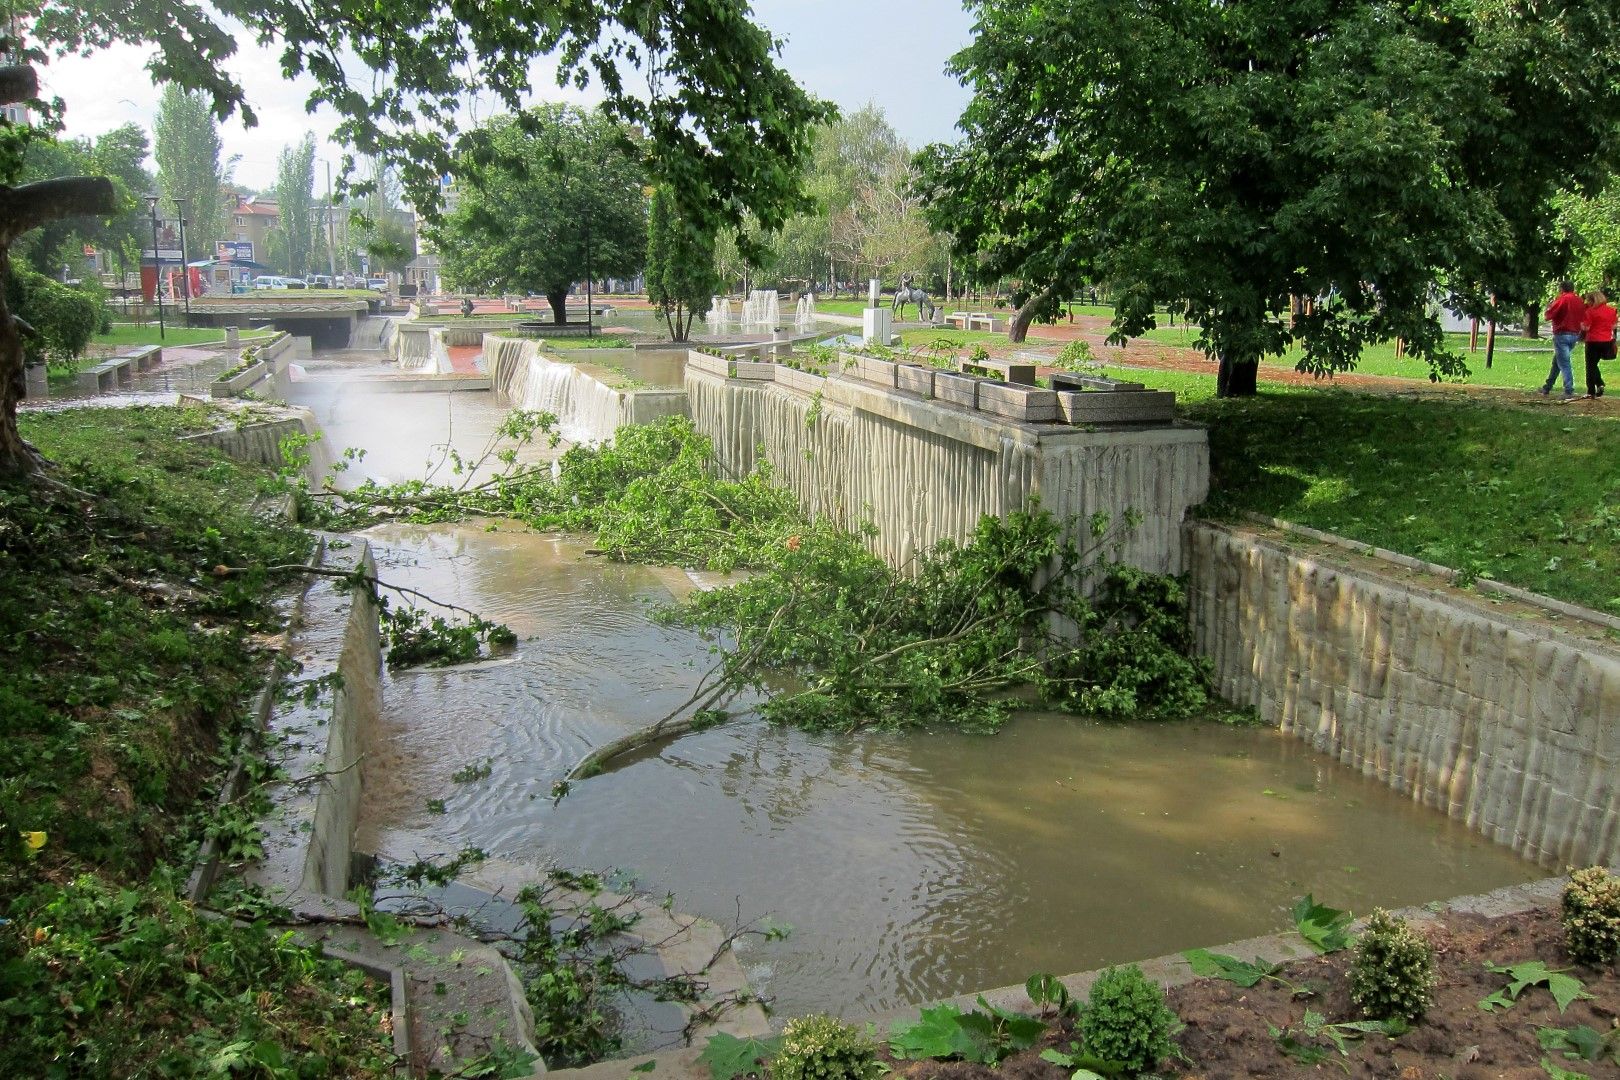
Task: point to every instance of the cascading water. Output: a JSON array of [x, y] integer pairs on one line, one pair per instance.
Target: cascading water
[[804, 316], [587, 411], [762, 310]]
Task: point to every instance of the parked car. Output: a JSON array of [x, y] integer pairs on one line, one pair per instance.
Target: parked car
[[379, 284], [319, 281], [269, 281], [294, 283]]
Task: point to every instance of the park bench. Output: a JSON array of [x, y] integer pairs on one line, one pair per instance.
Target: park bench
[[982, 322], [118, 370], [958, 319]]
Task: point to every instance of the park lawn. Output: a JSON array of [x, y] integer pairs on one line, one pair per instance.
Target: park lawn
[[1527, 496], [943, 338], [1519, 362], [127, 335]]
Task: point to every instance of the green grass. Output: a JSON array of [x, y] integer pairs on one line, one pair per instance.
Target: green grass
[[1529, 497], [1519, 363], [128, 335], [917, 338], [125, 670]]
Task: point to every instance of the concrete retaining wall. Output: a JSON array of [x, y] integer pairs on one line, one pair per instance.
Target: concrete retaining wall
[[259, 442], [588, 408], [921, 471], [1498, 717], [411, 346], [269, 376]]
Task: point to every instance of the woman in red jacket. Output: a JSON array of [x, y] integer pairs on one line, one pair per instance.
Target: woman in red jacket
[[1599, 334]]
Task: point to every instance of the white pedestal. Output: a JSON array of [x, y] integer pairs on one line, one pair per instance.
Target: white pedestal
[[36, 385], [877, 325]]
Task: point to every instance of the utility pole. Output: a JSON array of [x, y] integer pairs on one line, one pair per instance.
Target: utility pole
[[157, 266], [331, 246]]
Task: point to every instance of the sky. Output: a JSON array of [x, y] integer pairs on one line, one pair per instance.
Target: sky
[[846, 51]]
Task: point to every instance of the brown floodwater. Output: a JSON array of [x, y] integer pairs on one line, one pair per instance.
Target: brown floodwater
[[909, 866]]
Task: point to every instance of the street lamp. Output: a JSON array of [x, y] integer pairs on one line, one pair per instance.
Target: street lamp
[[185, 271], [157, 265]]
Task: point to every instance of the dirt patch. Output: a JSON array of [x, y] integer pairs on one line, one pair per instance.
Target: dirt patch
[[1228, 1033]]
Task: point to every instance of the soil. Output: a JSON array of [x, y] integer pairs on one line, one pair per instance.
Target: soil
[[1227, 1036]]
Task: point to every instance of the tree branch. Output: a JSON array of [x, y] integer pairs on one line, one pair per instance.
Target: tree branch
[[32, 205]]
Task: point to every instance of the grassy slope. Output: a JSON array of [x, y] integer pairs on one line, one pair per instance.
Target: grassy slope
[[124, 671], [128, 334]]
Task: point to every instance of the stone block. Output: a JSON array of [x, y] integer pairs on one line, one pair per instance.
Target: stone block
[[877, 325], [957, 389], [761, 370], [915, 378], [804, 381], [869, 369], [1068, 380], [1011, 371], [1029, 403], [713, 365], [1118, 407]]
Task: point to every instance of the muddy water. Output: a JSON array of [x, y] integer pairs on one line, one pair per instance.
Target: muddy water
[[910, 867]]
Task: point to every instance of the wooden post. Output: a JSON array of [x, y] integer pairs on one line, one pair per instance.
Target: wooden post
[[1473, 337]]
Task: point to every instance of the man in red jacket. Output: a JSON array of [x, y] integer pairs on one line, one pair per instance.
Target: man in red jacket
[[1567, 316]]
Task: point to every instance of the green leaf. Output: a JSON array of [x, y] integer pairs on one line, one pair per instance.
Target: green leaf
[[1564, 988], [1558, 1073], [1580, 1043], [1233, 970], [729, 1057], [1326, 929], [938, 1033], [645, 1067]]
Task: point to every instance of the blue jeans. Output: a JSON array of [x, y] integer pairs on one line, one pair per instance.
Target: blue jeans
[[1563, 346]]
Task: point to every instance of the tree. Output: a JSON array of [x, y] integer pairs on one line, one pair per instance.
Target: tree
[[1228, 158], [726, 127], [189, 169], [295, 199], [681, 276], [560, 191]]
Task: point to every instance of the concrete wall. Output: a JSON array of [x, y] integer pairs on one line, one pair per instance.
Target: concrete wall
[[922, 471], [259, 442], [1499, 718], [588, 408], [411, 346]]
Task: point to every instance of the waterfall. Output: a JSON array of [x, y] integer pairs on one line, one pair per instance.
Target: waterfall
[[762, 310], [412, 348], [719, 316], [587, 411]]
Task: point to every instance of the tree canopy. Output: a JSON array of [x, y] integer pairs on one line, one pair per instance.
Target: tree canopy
[[1226, 159], [558, 184], [681, 274], [727, 127], [189, 169], [295, 200]]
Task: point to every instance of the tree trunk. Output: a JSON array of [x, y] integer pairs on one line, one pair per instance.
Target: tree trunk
[[17, 458], [558, 299], [1018, 328], [1532, 322], [1237, 377]]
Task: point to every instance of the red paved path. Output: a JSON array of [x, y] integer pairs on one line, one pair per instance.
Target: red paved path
[[463, 357]]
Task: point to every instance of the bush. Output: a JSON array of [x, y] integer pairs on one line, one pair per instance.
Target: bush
[[1392, 973], [822, 1048], [1591, 915], [1126, 1020], [65, 319], [1076, 356]]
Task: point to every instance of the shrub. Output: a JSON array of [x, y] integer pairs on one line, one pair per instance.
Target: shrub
[[1392, 973], [1126, 1020], [1591, 915], [822, 1048], [65, 319], [1076, 356]]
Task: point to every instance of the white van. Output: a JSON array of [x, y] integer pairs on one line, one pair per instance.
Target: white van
[[269, 281]]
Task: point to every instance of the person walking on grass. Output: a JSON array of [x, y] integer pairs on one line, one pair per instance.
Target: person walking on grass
[[1599, 327], [1567, 316]]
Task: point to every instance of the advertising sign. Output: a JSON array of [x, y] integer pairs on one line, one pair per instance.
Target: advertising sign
[[227, 250]]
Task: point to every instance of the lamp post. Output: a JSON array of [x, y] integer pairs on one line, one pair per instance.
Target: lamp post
[[157, 266], [590, 307], [185, 271]]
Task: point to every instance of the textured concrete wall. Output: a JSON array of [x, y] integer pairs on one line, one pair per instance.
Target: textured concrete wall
[[411, 347], [921, 471], [1508, 723], [260, 442], [588, 410]]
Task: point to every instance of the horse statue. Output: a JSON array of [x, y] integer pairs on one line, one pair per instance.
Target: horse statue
[[905, 294]]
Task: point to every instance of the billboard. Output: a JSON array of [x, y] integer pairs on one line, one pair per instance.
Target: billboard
[[229, 250]]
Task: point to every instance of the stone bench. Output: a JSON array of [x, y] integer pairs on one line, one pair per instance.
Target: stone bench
[[118, 370], [1011, 371], [1068, 380], [958, 319]]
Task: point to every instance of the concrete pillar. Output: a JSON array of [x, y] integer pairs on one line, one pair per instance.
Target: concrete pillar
[[877, 325], [872, 293], [233, 337], [36, 384]]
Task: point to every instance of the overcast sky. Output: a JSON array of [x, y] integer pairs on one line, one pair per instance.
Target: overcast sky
[[848, 51]]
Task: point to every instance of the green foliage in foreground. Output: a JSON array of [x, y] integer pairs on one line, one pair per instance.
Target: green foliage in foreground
[[824, 1048], [124, 669], [947, 643], [1392, 976], [1590, 911], [1125, 1019]]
